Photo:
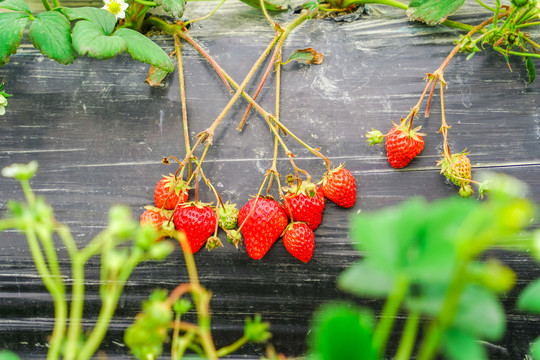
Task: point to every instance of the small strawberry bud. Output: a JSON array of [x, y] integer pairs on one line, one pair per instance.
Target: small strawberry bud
[[234, 237], [212, 243], [375, 137]]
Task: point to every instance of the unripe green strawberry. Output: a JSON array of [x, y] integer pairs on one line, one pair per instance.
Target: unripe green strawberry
[[262, 222], [298, 239], [165, 197], [339, 186], [304, 203], [227, 216], [198, 222], [457, 168], [402, 145]]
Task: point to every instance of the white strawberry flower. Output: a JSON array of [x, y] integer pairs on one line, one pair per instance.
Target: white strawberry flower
[[3, 104], [117, 7]]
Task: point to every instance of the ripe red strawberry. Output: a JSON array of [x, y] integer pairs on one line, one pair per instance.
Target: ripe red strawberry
[[402, 145], [163, 188], [154, 217], [457, 169], [304, 203], [339, 187], [197, 220], [262, 226], [299, 241]]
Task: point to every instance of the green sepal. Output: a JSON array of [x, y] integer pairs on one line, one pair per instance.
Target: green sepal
[[50, 33], [11, 29]]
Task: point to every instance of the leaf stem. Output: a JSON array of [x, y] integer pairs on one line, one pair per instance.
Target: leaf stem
[[388, 315], [408, 338], [207, 15], [46, 5], [229, 349]]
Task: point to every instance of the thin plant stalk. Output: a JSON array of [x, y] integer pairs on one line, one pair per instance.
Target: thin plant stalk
[[408, 337], [206, 16]]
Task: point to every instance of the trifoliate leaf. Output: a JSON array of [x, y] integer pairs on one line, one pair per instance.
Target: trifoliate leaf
[[432, 12], [458, 345], [89, 38], [50, 33], [101, 17], [16, 5], [306, 56], [143, 49], [529, 299], [270, 5], [530, 69], [174, 7], [11, 28], [341, 331]]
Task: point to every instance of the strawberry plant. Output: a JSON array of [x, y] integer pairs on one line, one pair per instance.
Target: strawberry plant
[[432, 266]]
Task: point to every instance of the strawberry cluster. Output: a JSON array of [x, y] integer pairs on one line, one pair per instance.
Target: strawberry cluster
[[262, 220]]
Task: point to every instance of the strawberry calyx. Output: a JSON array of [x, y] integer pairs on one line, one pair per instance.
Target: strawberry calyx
[[213, 242], [234, 237], [457, 168], [375, 137], [198, 204], [327, 175], [404, 130], [170, 181], [307, 188]]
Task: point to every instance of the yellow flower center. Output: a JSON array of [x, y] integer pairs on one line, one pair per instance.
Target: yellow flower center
[[114, 7]]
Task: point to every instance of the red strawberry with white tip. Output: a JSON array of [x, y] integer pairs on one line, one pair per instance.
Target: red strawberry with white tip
[[299, 241], [339, 186], [198, 221], [169, 191], [262, 221], [304, 203]]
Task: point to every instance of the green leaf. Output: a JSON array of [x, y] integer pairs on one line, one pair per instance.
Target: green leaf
[[143, 49], [8, 355], [480, 313], [90, 38], [341, 331], [364, 279], [155, 76], [529, 299], [432, 12], [270, 5], [174, 7], [535, 349], [11, 28], [50, 33], [16, 5], [307, 56], [530, 69], [101, 17], [458, 345]]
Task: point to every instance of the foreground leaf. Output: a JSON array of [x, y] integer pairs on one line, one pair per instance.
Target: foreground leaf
[[143, 49], [432, 12], [458, 345], [174, 7], [529, 299], [50, 33], [16, 5], [535, 349], [364, 279], [340, 332], [89, 38], [11, 28]]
